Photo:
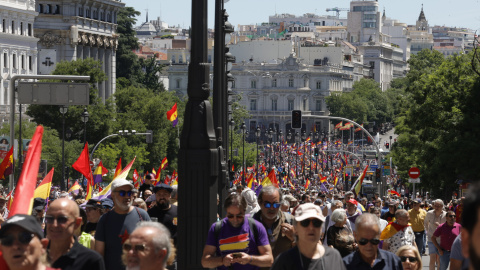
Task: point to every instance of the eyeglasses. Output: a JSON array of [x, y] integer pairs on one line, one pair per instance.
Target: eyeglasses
[[239, 216], [88, 209], [316, 223], [24, 238], [127, 247], [124, 192], [451, 216], [374, 241], [410, 259], [60, 219], [269, 204]]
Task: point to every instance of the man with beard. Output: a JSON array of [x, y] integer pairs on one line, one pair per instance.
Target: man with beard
[[471, 227], [115, 227], [277, 223], [165, 212]]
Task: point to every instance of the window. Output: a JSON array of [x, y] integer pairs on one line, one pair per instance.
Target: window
[[48, 9], [253, 105], [369, 25], [274, 104], [319, 85], [318, 105], [29, 30], [290, 105], [371, 17], [14, 61], [253, 84], [21, 28], [5, 60], [80, 11], [30, 63], [4, 26], [173, 59], [274, 83], [57, 9], [180, 59], [233, 84], [290, 82], [13, 27], [178, 83], [304, 104], [23, 61], [109, 17], [305, 82]]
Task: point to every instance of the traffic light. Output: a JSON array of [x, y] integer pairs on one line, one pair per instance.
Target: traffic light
[[316, 152], [377, 175], [387, 145], [296, 119]]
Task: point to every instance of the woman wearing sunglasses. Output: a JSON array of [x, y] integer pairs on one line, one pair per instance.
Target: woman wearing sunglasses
[[410, 257], [309, 253]]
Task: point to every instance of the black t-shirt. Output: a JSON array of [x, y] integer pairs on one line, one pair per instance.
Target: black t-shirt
[[290, 260], [388, 216], [166, 217], [79, 257], [90, 227], [144, 187]]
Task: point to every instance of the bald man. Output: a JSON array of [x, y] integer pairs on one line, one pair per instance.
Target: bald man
[[64, 251]]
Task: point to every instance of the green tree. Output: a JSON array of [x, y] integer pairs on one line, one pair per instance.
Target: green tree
[[151, 79], [128, 65], [438, 128]]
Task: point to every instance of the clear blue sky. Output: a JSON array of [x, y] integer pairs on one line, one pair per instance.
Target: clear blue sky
[[459, 13]]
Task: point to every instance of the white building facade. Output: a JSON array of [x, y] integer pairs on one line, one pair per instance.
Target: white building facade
[[18, 46]]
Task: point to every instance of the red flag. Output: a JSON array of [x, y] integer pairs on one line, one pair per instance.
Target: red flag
[[6, 163], [82, 165], [136, 184], [22, 204], [118, 169]]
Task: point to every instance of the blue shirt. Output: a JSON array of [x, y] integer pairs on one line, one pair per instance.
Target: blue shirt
[[384, 260]]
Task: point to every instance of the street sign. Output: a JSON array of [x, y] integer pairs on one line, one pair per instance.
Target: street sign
[[373, 166], [53, 93], [415, 181], [386, 172], [414, 172]]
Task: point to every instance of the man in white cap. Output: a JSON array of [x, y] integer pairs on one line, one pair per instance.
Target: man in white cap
[[115, 227]]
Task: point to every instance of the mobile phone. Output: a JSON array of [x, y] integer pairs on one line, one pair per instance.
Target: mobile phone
[[236, 255]]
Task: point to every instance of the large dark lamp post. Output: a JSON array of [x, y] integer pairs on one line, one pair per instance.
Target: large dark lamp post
[[68, 135], [289, 137], [85, 120], [244, 130], [63, 111], [297, 140], [310, 152]]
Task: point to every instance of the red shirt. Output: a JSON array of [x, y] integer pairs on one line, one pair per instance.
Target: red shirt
[[448, 234]]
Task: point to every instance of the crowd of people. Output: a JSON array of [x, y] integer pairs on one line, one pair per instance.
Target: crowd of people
[[276, 229]]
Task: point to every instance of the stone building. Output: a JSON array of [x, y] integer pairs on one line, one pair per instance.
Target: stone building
[[71, 30], [18, 46]]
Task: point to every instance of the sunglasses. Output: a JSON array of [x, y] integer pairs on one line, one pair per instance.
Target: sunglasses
[[451, 216], [60, 219], [316, 223], [24, 238], [123, 193], [268, 205], [127, 247], [410, 259], [240, 216], [374, 241]]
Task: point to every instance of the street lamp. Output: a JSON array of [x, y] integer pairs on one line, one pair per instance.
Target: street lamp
[[85, 120], [297, 140], [232, 129], [63, 111], [304, 137], [257, 135], [310, 152], [68, 134], [280, 144], [243, 128]]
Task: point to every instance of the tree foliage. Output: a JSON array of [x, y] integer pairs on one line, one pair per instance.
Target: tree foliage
[[438, 127], [128, 65]]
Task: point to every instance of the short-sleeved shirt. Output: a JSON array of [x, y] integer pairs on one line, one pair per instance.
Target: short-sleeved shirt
[[404, 237], [448, 234], [417, 219], [113, 229], [385, 260], [430, 222], [290, 260], [240, 239], [79, 257], [167, 217], [457, 252]]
